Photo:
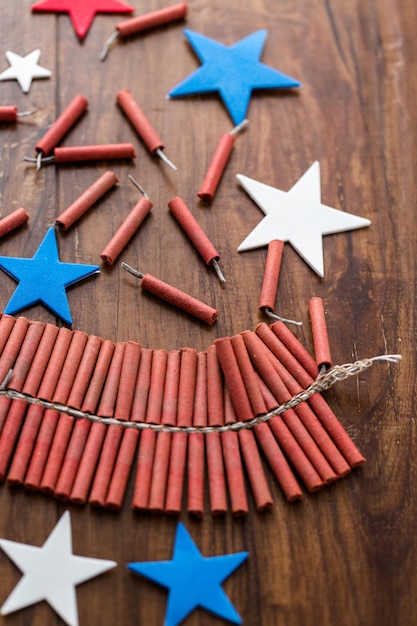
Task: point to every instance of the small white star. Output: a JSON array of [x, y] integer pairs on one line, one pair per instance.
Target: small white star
[[51, 572], [24, 69], [297, 216]]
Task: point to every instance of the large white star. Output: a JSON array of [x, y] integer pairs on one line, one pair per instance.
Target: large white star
[[297, 216], [24, 69], [51, 572]]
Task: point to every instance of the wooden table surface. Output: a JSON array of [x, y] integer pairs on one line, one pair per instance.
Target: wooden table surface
[[346, 555]]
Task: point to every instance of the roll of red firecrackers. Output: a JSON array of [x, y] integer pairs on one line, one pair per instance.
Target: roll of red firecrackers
[[6, 326], [271, 275], [317, 402], [12, 348], [62, 125], [278, 462], [26, 355], [127, 381], [144, 470], [179, 299], [105, 152], [41, 450], [98, 379], [320, 335], [259, 355], [139, 121], [185, 410], [10, 433], [24, 449], [108, 397], [216, 168], [126, 231], [196, 444], [140, 399], [249, 377], [13, 221], [296, 348], [257, 479], [122, 469], [8, 114], [88, 464], [150, 20], [215, 406], [40, 361], [193, 230], [233, 379], [163, 440], [84, 202], [105, 466], [54, 365]]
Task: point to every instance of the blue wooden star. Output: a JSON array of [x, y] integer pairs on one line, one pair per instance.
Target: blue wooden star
[[43, 279], [233, 71], [193, 580]]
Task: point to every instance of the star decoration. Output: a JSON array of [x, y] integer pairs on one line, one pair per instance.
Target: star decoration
[[43, 279], [232, 71], [51, 572], [193, 580], [24, 69], [82, 12], [297, 216]]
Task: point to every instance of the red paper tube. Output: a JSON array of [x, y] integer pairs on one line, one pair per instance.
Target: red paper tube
[[24, 448], [216, 168], [215, 393], [271, 275], [177, 465], [186, 390], [105, 466], [256, 474], [88, 464], [62, 125], [234, 473], [8, 114], [26, 355], [171, 386], [85, 371], [319, 330], [317, 402], [90, 196], [127, 381], [260, 357], [195, 233], [41, 450], [10, 433], [144, 470], [107, 152], [277, 462], [4, 409], [111, 386], [249, 377], [97, 381], [126, 231], [196, 447], [233, 379], [40, 360], [72, 459], [122, 469], [296, 348], [54, 366], [156, 389], [13, 221], [174, 296], [6, 326], [13, 345], [140, 399], [70, 367], [151, 20]]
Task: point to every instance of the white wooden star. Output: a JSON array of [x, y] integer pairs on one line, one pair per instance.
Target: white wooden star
[[297, 216], [24, 69], [51, 572]]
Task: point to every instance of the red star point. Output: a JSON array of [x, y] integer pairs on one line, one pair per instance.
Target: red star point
[[82, 12]]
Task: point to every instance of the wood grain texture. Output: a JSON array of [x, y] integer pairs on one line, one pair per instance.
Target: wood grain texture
[[346, 555]]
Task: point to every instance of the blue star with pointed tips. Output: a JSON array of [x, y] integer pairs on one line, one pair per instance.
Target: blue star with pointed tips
[[193, 580], [233, 71], [44, 278]]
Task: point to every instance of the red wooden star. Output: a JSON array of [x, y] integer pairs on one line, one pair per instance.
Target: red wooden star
[[82, 12]]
